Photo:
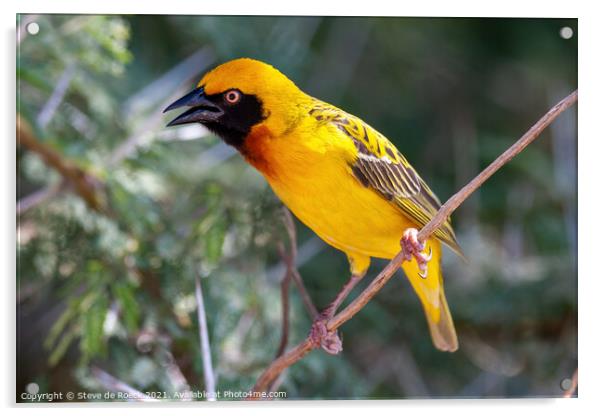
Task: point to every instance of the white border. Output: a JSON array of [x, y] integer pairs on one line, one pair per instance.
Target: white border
[[508, 8]]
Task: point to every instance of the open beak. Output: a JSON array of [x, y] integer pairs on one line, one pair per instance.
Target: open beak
[[201, 109]]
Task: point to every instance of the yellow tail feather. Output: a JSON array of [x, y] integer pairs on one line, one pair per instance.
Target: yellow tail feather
[[432, 296], [443, 332]]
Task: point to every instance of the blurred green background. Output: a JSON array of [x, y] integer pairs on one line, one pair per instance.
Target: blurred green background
[[107, 283]]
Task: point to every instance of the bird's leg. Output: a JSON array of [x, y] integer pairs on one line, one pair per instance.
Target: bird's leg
[[414, 248], [321, 337]]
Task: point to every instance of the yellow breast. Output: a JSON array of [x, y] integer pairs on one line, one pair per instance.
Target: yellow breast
[[309, 170]]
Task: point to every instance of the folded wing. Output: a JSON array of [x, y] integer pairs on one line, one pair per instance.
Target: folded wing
[[381, 167]]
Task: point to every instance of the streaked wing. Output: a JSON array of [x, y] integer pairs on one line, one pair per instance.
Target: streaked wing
[[382, 167]]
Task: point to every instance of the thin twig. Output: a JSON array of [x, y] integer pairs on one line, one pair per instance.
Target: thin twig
[[277, 366], [571, 390], [115, 385], [208, 373], [309, 305], [284, 296], [455, 201], [289, 224], [291, 272]]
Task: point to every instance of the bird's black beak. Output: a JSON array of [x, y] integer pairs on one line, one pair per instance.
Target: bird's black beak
[[201, 108]]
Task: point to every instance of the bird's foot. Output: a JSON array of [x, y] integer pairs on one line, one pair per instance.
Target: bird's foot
[[321, 337], [414, 248]]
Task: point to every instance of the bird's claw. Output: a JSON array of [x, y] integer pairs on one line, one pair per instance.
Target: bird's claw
[[423, 274], [329, 341], [430, 256], [412, 247]]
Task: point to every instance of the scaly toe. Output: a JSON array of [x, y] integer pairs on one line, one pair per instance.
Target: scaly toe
[[410, 241], [332, 344], [322, 338], [412, 247]]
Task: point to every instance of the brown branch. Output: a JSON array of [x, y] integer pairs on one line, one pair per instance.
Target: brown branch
[[291, 272], [284, 296], [85, 185], [309, 305], [455, 201], [281, 363], [289, 260], [289, 224]]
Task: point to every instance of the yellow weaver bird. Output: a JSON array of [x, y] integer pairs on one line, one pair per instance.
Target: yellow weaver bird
[[339, 176]]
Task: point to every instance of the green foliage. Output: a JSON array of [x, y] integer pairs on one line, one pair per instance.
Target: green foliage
[[115, 289], [124, 293], [94, 312]]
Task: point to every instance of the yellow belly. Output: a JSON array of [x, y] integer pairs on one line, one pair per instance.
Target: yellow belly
[[322, 192], [313, 177]]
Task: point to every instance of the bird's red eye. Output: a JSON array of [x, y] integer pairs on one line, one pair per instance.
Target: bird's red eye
[[233, 96]]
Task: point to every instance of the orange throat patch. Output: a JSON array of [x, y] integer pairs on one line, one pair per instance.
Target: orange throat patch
[[255, 148]]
